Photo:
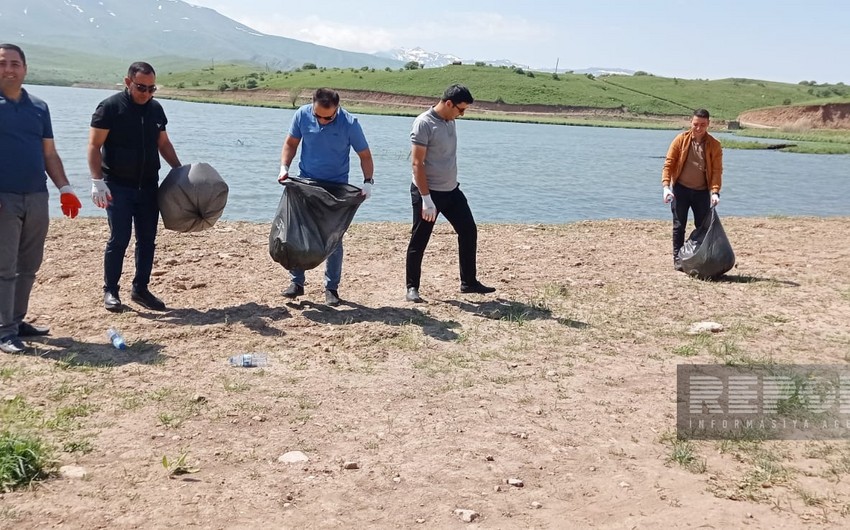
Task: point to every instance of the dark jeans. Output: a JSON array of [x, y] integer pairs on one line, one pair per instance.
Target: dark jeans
[[686, 198], [130, 207], [453, 206]]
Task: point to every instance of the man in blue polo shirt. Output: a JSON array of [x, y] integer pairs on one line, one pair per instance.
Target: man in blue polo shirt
[[27, 151], [327, 133]]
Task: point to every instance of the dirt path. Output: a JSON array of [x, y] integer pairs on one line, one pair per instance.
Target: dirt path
[[565, 380]]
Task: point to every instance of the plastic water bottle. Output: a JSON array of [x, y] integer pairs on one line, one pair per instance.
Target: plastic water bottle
[[116, 339], [249, 360]]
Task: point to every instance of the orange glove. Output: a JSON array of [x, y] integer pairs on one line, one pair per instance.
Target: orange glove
[[70, 203]]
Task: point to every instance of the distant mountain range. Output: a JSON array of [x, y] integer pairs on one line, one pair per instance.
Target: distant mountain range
[[177, 34], [145, 29], [434, 60]]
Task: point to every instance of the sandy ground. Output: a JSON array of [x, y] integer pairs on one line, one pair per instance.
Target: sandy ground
[[564, 380]]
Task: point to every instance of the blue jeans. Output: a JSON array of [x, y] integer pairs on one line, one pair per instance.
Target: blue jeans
[[24, 220], [130, 207], [333, 271]]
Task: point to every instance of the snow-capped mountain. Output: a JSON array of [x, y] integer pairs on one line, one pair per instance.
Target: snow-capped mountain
[[435, 59]]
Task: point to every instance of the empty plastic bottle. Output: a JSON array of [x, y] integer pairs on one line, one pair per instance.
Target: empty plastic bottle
[[116, 339], [249, 360]]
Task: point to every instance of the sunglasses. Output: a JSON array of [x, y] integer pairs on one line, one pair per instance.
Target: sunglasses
[[325, 118], [460, 110], [145, 88]]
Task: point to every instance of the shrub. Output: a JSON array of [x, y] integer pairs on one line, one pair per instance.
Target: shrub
[[480, 63], [412, 65], [519, 71], [309, 66], [23, 460], [640, 73], [530, 73], [223, 86], [252, 83], [556, 77]]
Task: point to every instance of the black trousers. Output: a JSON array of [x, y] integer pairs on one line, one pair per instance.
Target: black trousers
[[455, 208], [683, 199]]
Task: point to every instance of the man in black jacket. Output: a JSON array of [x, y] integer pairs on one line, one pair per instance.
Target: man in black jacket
[[126, 139]]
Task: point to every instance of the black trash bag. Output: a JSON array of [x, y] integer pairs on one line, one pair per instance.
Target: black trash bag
[[707, 253], [192, 198], [311, 219]]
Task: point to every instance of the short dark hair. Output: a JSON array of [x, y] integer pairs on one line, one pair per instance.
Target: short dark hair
[[702, 113], [457, 94], [326, 97], [140, 66], [16, 48]]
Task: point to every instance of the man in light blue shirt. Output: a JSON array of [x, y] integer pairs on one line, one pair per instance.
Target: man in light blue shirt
[[327, 133]]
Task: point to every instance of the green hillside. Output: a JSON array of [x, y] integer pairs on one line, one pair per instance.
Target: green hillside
[[642, 94]]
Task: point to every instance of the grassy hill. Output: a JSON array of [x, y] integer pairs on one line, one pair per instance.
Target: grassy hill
[[643, 94]]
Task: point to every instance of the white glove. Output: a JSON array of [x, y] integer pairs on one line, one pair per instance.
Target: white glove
[[429, 209], [100, 194], [715, 200], [284, 173], [366, 190], [667, 195]]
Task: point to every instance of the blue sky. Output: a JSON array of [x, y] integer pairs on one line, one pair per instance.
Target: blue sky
[[778, 40]]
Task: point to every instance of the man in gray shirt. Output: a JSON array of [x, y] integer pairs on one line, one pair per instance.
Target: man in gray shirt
[[435, 190]]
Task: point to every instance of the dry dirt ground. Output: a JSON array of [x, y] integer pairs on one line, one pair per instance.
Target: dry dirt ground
[[830, 116], [564, 380]]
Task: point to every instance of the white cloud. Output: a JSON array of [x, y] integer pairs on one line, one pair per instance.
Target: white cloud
[[467, 33]]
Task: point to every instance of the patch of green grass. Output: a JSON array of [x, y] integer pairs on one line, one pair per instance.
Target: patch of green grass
[[408, 337], [16, 412], [684, 453], [698, 344], [65, 418], [809, 498], [6, 372], [23, 461], [178, 466], [78, 446]]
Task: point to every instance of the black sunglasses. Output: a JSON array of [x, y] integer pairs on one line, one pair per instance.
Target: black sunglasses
[[325, 118], [145, 88]]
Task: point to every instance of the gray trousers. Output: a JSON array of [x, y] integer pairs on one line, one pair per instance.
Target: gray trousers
[[24, 220]]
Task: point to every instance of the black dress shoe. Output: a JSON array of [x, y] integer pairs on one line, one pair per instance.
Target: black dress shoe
[[25, 329], [477, 287], [111, 302], [12, 344], [332, 297], [147, 300], [413, 295], [294, 290]]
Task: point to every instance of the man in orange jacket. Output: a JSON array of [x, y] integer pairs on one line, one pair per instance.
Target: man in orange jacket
[[692, 177]]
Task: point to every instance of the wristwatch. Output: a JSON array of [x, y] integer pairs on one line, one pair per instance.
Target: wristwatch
[[369, 180]]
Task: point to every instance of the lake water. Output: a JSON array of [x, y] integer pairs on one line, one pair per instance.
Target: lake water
[[524, 173]]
